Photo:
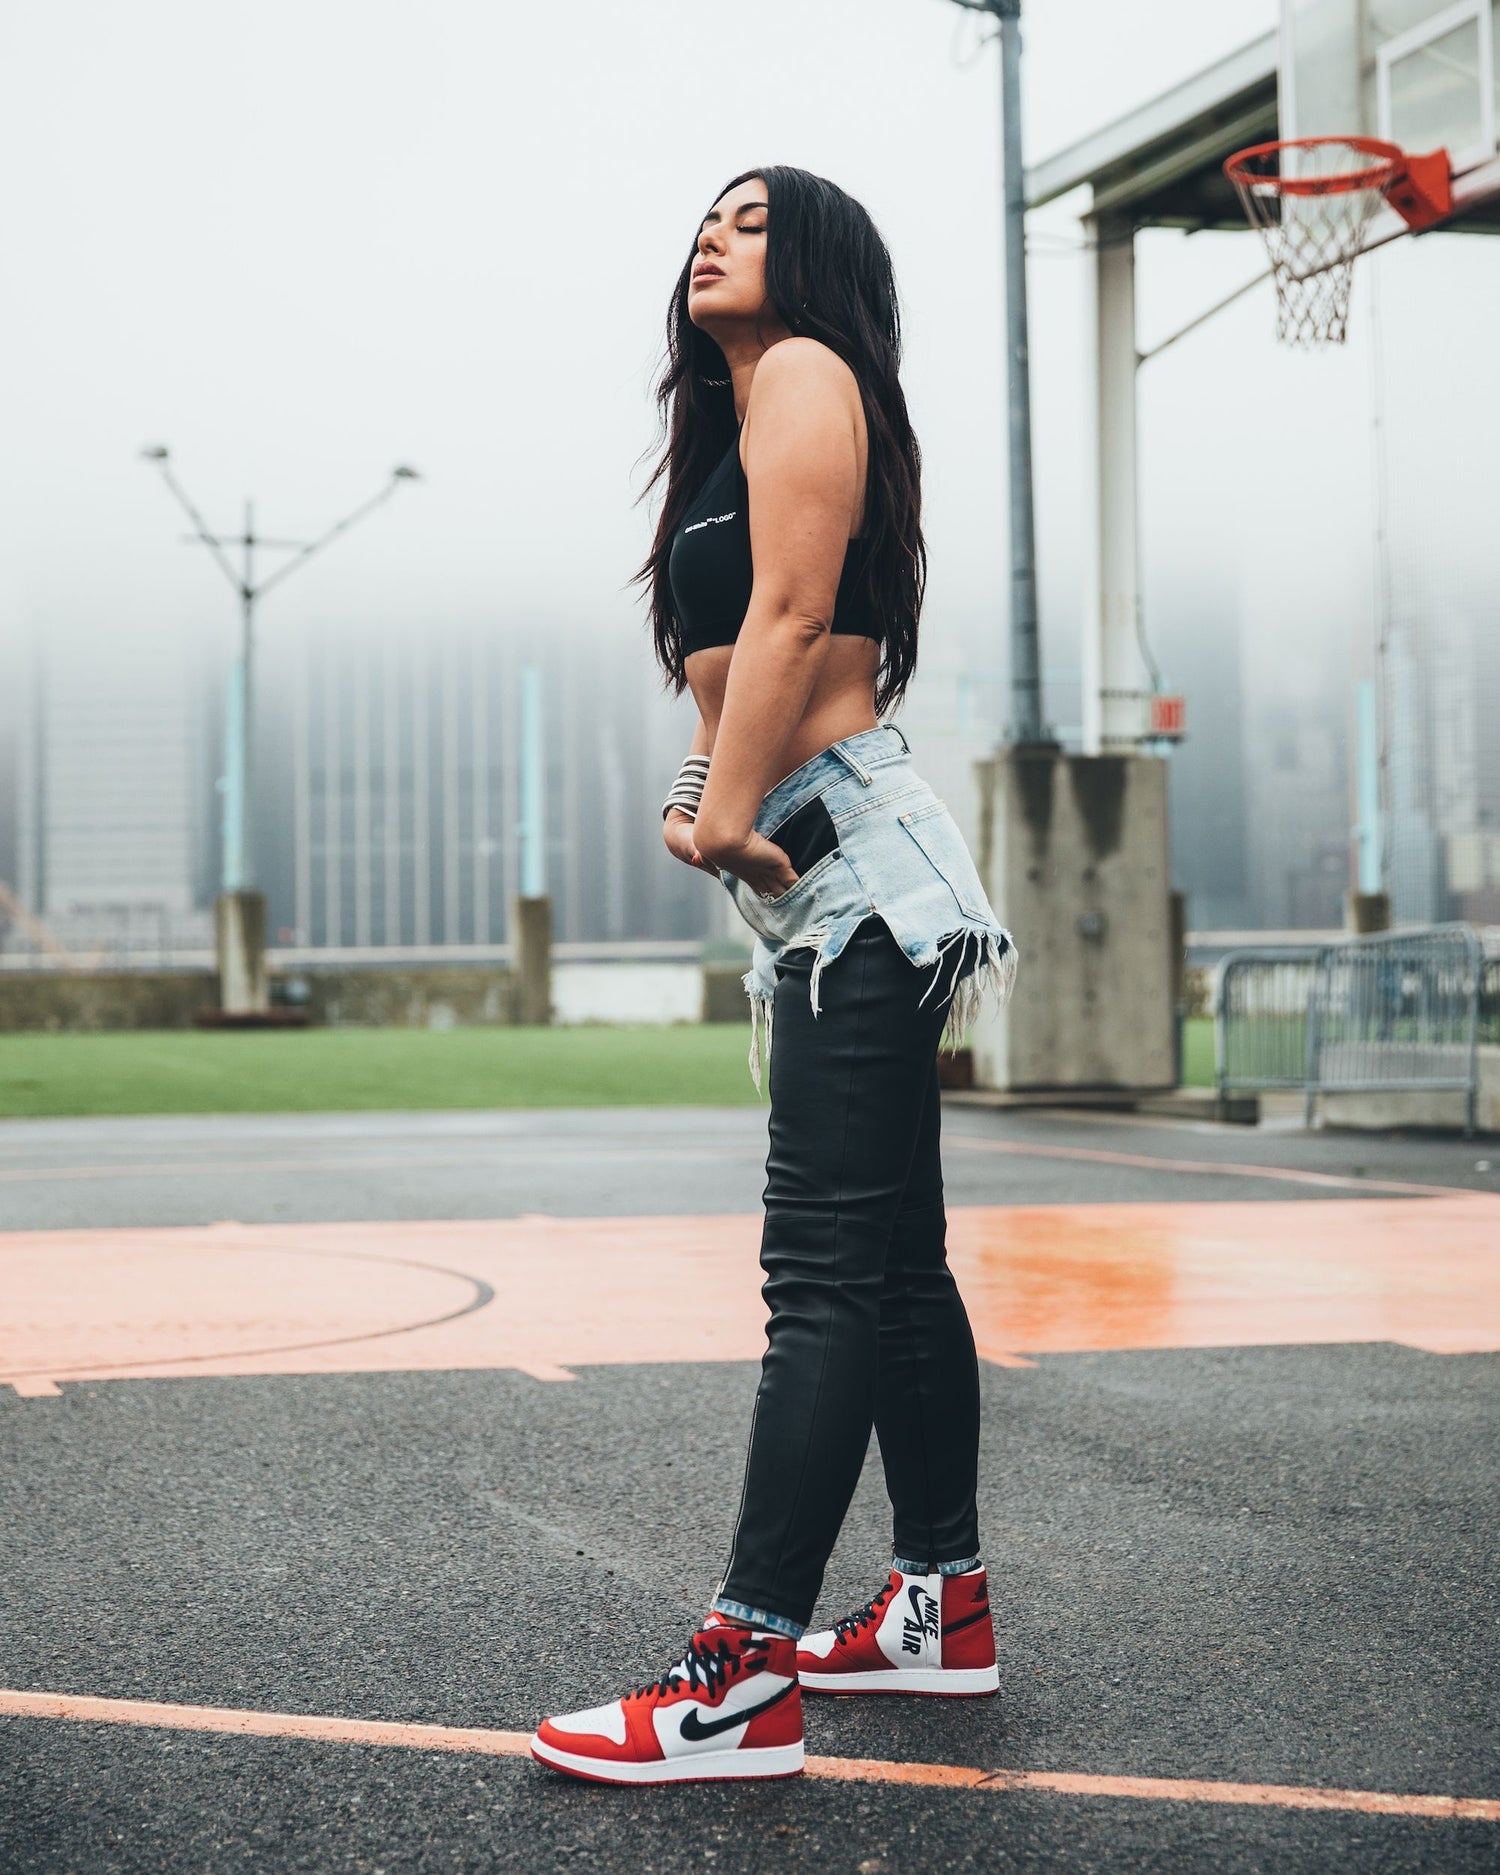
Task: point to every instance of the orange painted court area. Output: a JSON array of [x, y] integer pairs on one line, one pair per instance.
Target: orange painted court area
[[546, 1294]]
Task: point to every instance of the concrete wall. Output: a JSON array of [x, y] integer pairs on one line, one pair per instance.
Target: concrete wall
[[724, 998], [1073, 851], [443, 997], [143, 999], [56, 1000], [1439, 1112], [434, 997]]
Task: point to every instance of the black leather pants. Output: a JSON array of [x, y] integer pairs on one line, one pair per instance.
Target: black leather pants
[[867, 1326]]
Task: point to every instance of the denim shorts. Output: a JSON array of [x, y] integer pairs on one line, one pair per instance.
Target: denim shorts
[[887, 847]]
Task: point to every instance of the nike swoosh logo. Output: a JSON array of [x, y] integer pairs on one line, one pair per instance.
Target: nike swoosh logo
[[695, 1726]]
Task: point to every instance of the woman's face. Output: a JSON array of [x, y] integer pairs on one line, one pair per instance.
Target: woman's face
[[728, 279]]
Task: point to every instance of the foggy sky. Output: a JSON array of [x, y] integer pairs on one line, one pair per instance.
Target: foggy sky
[[302, 242]]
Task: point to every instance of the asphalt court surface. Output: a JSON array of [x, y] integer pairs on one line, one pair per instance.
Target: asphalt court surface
[[1239, 1503], [581, 1162]]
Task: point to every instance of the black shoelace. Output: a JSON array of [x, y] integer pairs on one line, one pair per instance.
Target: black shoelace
[[707, 1665], [865, 1617]]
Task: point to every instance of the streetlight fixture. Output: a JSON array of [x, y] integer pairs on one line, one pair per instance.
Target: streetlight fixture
[[240, 913], [1076, 844], [1028, 727]]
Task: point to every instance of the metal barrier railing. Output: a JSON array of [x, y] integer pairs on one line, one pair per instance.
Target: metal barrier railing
[[1397, 1010], [1260, 1017], [1489, 1003]]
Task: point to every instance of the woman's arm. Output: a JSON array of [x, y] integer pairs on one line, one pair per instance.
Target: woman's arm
[[678, 828], [802, 465]]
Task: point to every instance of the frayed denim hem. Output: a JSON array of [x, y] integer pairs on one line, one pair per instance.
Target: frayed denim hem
[[989, 978], [910, 1568], [773, 1624]]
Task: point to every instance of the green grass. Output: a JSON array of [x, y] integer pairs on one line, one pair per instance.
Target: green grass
[[346, 1070], [1198, 1051], [343, 1070]]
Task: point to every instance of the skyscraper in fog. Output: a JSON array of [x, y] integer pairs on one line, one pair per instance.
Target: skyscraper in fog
[[111, 792], [388, 788], [1442, 701]]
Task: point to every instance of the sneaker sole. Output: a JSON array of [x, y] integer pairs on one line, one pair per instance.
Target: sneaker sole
[[701, 1767], [939, 1682]]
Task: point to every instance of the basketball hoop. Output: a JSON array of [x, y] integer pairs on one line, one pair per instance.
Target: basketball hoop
[[1313, 200]]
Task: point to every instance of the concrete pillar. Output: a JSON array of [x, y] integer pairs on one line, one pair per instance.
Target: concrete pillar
[[531, 921], [1365, 912], [1073, 852], [240, 948], [1115, 680]]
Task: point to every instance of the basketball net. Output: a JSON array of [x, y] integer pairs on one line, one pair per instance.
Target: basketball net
[[1313, 201]]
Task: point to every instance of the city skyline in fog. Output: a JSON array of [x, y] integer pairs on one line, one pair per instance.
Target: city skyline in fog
[[301, 245]]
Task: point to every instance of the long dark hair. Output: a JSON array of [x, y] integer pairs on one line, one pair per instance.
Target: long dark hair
[[829, 277]]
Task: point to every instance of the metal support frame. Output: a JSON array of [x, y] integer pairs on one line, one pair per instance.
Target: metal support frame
[[1116, 684], [1025, 647], [1028, 726]]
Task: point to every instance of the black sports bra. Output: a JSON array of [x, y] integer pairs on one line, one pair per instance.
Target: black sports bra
[[711, 572]]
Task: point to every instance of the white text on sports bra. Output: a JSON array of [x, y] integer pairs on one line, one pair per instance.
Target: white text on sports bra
[[711, 520]]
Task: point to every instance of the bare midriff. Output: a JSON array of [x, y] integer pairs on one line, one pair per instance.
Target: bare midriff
[[842, 702]]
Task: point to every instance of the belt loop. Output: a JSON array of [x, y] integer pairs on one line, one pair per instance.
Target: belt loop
[[852, 761], [898, 730]]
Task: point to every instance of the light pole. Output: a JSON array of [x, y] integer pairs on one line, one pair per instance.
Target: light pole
[[240, 912], [1028, 726]]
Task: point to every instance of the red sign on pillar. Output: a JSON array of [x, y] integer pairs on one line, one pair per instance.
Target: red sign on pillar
[[1168, 717]]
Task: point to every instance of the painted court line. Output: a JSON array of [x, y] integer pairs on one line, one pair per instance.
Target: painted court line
[[1288, 1175], [481, 1296], [485, 1152], [82, 1709], [219, 1168], [1019, 1149]]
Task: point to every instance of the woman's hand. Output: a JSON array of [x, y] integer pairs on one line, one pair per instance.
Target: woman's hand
[[678, 833], [751, 857]]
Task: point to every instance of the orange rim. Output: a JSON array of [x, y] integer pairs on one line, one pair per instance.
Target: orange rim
[[1387, 161]]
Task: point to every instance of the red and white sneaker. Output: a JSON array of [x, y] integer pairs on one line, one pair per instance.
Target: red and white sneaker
[[731, 1707], [921, 1634]]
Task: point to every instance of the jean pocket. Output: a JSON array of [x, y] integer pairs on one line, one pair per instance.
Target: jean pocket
[[936, 832], [807, 836], [802, 881]]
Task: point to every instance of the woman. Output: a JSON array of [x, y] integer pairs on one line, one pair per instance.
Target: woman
[[786, 580]]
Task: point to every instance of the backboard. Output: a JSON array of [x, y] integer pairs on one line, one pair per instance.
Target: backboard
[[1419, 73]]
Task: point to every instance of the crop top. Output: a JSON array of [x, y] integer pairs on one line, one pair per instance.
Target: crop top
[[711, 572]]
